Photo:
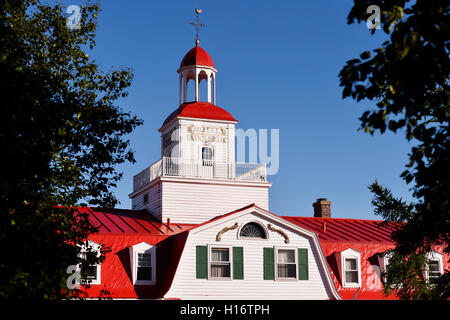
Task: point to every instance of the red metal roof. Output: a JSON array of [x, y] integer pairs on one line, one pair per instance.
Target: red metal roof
[[200, 110], [346, 230], [197, 56], [118, 230], [132, 222]]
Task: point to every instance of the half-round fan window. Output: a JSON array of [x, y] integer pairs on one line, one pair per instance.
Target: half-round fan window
[[252, 230]]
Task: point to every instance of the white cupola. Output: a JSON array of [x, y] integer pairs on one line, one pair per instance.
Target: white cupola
[[197, 177], [197, 66]]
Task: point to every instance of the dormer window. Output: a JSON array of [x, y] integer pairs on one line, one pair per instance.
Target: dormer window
[[142, 260], [383, 262], [350, 268], [434, 267], [91, 274]]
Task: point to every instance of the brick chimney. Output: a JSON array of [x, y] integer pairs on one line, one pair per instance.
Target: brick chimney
[[322, 208]]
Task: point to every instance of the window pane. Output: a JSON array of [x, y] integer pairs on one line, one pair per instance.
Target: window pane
[[286, 256], [351, 276], [434, 266], [207, 156], [90, 272], [350, 264], [206, 153], [287, 271], [144, 273], [220, 270], [434, 273], [220, 255], [144, 260]]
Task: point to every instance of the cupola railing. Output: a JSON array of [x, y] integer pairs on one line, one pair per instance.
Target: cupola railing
[[203, 169]]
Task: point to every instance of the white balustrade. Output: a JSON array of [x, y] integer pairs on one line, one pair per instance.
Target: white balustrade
[[205, 169]]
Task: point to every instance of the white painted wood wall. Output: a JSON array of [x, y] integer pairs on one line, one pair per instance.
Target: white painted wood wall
[[186, 148], [253, 286], [199, 200]]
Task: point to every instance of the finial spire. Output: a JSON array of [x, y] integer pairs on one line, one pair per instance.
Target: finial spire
[[197, 24]]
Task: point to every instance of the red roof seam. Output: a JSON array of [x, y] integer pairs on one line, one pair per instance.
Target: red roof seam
[[113, 222], [167, 226], [342, 229], [317, 230], [375, 232], [155, 226], [143, 227], [120, 217], [331, 228], [359, 241], [341, 233], [337, 231], [92, 212], [351, 227]]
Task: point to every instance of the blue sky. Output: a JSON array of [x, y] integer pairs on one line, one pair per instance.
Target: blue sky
[[278, 64]]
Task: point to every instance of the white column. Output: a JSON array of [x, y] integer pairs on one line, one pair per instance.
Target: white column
[[184, 88], [196, 85], [214, 89], [181, 97], [208, 81]]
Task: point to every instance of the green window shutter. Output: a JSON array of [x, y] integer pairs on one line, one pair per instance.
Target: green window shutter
[[269, 264], [303, 264], [238, 263], [202, 262]]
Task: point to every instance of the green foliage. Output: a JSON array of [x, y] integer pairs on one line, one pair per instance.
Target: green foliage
[[407, 78], [62, 135], [405, 271]]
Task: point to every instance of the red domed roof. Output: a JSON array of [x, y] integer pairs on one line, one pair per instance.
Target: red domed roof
[[200, 110], [197, 56]]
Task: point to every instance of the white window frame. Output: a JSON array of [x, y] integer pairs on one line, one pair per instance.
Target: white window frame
[[350, 254], [230, 254], [435, 256], [207, 162], [96, 247], [147, 248], [277, 278]]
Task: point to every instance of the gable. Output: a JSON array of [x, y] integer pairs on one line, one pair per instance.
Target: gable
[[229, 228], [223, 233]]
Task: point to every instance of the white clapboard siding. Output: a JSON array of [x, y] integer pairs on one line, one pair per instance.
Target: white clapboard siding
[[253, 286], [192, 201], [154, 204]]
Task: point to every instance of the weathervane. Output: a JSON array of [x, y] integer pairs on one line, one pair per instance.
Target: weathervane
[[197, 24]]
